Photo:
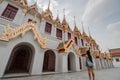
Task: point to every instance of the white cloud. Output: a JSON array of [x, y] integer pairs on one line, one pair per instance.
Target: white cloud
[[114, 26], [103, 18], [101, 12], [111, 39], [91, 5]]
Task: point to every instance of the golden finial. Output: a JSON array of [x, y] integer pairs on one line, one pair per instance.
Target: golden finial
[[64, 13], [49, 4], [74, 21], [82, 26], [89, 31], [57, 13]]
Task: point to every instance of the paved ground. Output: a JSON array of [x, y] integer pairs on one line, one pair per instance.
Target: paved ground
[[105, 74]]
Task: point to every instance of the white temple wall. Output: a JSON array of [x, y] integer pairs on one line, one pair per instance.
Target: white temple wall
[[5, 54], [3, 6], [115, 63]]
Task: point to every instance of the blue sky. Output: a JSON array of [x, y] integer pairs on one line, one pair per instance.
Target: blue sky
[[101, 16]]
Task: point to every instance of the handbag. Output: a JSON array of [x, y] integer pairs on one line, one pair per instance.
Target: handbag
[[89, 63]]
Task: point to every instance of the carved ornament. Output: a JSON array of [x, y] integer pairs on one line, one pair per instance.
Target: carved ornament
[[11, 33]]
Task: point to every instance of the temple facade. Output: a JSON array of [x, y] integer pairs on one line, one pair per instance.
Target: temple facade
[[33, 43], [116, 56]]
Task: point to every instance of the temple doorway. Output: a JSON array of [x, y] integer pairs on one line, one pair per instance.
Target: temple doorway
[[49, 61], [20, 59], [80, 62], [71, 62]]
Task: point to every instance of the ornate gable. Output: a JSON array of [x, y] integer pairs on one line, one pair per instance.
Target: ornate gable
[[57, 21], [65, 25], [11, 33], [22, 3], [76, 32], [47, 14], [65, 46]]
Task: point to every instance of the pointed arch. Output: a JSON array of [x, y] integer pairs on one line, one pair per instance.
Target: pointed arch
[[49, 61], [21, 58], [71, 62]]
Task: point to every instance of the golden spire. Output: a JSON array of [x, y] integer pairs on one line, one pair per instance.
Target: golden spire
[[75, 28], [49, 4], [74, 21], [64, 13], [64, 20], [89, 32], [82, 27], [57, 20], [84, 34], [57, 14]]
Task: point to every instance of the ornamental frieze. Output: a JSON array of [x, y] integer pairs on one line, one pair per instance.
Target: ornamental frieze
[[11, 33]]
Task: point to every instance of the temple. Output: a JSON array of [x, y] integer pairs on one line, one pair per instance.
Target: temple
[[34, 43], [115, 53]]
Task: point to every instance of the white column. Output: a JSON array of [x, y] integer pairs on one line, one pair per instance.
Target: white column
[[83, 62], [63, 64], [38, 62]]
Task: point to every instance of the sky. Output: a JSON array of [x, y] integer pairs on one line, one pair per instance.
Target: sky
[[102, 17]]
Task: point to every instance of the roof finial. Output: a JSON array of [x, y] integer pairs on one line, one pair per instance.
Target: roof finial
[[89, 31], [57, 13], [82, 26], [49, 4], [64, 13], [74, 21]]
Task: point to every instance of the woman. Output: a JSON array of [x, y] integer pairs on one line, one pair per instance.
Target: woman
[[89, 66]]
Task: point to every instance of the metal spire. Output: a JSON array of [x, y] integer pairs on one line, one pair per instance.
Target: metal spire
[[57, 13], [89, 31], [64, 13], [74, 21], [82, 27], [49, 4]]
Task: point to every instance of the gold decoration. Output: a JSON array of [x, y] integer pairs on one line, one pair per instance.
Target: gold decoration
[[65, 46], [102, 56], [1, 1], [96, 54], [57, 21], [83, 51], [47, 14], [25, 11], [10, 33], [76, 31], [108, 56]]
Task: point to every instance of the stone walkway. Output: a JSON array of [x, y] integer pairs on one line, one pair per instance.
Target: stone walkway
[[105, 74]]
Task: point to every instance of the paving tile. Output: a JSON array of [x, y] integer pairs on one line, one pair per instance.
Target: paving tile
[[104, 74]]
